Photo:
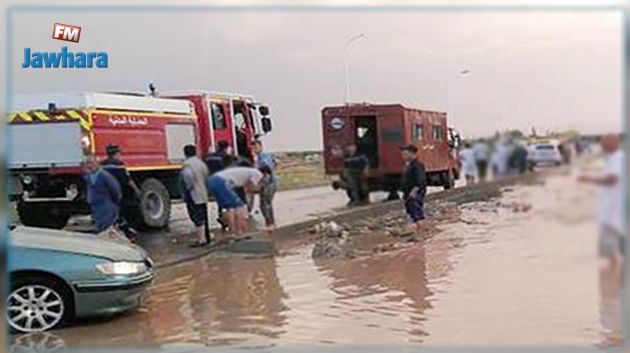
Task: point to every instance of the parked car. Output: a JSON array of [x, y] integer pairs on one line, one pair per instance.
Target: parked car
[[545, 153], [56, 276]]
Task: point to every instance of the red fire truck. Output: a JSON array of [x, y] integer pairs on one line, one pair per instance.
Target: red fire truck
[[49, 135], [378, 130]]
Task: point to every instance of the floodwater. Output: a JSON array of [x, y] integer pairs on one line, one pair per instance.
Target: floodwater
[[505, 274]]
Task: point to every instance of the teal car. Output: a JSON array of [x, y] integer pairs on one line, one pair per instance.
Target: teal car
[[56, 276]]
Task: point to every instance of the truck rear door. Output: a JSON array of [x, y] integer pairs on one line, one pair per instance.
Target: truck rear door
[[338, 132]]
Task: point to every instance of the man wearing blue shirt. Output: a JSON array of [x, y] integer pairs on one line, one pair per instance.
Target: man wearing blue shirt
[[103, 195]]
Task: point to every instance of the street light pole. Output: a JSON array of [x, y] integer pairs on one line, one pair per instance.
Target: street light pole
[[347, 65]]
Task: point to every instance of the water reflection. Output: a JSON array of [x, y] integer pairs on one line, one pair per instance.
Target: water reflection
[[385, 292], [38, 342], [210, 301]]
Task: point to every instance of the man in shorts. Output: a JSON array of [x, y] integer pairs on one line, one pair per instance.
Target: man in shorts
[[195, 194], [414, 185], [223, 186], [612, 239]]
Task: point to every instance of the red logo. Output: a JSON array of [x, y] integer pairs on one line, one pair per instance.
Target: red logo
[[68, 33]]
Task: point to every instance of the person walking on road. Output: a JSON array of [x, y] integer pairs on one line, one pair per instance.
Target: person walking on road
[[469, 168], [612, 239], [482, 157], [501, 158], [519, 158], [130, 191], [104, 197], [266, 163], [223, 185], [193, 187], [355, 168], [414, 185]]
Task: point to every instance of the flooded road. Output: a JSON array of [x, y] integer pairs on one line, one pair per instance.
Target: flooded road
[[519, 270]]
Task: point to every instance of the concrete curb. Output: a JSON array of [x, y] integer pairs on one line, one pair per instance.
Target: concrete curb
[[285, 235]]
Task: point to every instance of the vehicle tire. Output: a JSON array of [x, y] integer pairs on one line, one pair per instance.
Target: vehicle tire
[[37, 304], [42, 215], [155, 204], [448, 180]]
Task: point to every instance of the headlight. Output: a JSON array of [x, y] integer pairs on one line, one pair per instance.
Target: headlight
[[122, 268]]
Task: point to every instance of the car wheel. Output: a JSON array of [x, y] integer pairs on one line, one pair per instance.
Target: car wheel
[[37, 304], [155, 204]]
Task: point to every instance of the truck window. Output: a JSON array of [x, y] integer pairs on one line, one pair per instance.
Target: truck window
[[438, 134], [416, 131], [218, 116]]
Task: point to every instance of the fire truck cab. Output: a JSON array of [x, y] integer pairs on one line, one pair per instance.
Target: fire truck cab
[[50, 134], [378, 130], [231, 117]]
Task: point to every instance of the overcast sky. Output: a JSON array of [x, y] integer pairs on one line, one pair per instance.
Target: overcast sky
[[551, 70]]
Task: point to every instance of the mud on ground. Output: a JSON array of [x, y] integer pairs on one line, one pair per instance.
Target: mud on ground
[[393, 231]]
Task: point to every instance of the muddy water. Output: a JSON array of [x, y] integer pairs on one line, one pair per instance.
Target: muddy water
[[506, 274]]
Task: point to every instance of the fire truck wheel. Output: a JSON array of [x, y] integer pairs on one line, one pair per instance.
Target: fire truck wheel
[[155, 204], [449, 180], [42, 215]]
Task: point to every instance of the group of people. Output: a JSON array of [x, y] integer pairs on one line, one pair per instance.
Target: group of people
[[232, 183], [114, 197], [413, 183], [504, 158]]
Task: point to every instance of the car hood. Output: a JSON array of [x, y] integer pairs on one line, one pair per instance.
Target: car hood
[[59, 240]]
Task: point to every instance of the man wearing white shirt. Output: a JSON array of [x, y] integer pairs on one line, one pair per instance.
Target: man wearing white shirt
[[612, 241], [223, 184]]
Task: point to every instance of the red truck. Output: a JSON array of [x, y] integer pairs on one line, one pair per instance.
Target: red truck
[[49, 135], [378, 130]]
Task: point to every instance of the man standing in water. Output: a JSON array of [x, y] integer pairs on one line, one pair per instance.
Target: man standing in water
[[414, 185], [612, 240]]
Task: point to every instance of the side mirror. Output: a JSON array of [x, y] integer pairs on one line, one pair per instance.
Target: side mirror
[[263, 110], [266, 124]]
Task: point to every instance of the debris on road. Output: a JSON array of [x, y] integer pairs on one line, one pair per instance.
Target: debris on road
[[390, 231], [327, 249]]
